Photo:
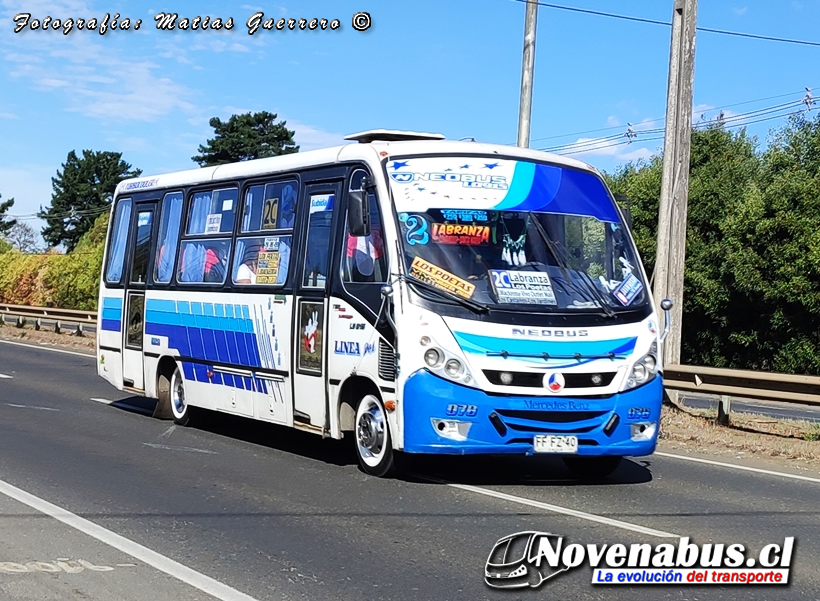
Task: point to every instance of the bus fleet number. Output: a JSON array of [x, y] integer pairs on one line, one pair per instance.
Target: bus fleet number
[[466, 410]]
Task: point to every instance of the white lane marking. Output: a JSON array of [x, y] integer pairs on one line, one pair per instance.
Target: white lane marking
[[169, 448], [31, 407], [48, 348], [557, 509], [739, 467], [5, 377], [122, 405], [156, 560]]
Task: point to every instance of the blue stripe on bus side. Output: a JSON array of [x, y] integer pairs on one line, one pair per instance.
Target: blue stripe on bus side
[[112, 302], [208, 332], [111, 325], [111, 314]]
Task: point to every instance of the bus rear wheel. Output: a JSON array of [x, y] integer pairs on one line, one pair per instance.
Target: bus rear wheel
[[592, 467], [180, 408], [374, 447]]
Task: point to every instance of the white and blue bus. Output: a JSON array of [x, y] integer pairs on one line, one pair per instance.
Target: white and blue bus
[[423, 295]]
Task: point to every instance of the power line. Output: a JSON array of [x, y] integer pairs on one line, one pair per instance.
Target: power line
[[647, 121], [654, 22], [728, 121], [592, 147]]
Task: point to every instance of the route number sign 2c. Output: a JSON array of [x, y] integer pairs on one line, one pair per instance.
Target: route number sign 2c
[[270, 213]]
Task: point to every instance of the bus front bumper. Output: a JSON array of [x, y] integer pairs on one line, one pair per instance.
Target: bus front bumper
[[441, 417]]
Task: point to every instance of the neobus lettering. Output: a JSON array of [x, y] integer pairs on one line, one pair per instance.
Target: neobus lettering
[[549, 333]]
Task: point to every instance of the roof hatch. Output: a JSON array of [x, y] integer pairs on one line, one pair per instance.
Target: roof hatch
[[392, 135]]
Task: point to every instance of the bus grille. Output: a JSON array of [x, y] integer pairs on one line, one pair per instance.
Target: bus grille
[[387, 362]]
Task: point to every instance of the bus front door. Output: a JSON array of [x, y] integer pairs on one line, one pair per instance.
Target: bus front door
[[134, 328], [311, 352]]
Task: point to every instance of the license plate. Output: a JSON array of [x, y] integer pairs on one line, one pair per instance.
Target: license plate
[[550, 443]]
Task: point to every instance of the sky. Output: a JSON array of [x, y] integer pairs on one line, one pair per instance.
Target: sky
[[452, 67]]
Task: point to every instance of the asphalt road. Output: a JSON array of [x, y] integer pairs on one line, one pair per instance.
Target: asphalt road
[[270, 513]]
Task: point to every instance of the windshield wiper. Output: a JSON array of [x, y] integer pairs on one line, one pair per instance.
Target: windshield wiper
[[596, 294], [470, 304]]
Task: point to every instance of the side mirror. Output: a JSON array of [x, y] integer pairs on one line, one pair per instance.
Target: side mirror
[[625, 204], [358, 213], [666, 305], [628, 217]]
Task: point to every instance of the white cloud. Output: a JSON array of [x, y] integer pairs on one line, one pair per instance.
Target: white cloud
[[130, 143], [309, 137], [8, 116], [100, 82], [16, 57], [53, 83], [606, 147], [239, 48], [740, 11], [612, 121], [251, 7]]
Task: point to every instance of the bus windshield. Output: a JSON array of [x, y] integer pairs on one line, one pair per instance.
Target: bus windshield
[[515, 235]]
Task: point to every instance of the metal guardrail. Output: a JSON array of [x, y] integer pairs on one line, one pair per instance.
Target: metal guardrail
[[23, 314], [728, 383]]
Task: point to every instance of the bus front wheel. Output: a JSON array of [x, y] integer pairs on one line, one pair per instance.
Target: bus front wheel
[[592, 467], [179, 403], [372, 436]]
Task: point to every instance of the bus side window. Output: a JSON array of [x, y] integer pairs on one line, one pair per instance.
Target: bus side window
[[270, 206], [119, 240], [262, 260], [318, 241], [168, 237], [212, 212], [365, 260], [204, 261]]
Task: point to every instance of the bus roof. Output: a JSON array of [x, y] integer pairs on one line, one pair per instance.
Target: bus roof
[[375, 150]]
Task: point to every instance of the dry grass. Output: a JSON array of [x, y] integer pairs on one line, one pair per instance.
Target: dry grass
[[788, 442], [29, 335]]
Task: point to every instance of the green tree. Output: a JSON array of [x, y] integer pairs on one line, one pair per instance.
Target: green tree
[[5, 223], [723, 169], [774, 253], [82, 191], [245, 137]]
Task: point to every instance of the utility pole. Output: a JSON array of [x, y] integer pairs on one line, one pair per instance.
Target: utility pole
[[671, 253], [525, 108]]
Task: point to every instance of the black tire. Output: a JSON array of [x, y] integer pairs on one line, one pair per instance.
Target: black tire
[[180, 409], [371, 438], [592, 467]]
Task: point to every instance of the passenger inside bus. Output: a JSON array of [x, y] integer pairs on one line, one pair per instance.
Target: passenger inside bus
[[246, 274]]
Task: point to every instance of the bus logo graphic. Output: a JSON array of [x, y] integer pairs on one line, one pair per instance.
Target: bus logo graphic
[[555, 382], [516, 561], [403, 178]]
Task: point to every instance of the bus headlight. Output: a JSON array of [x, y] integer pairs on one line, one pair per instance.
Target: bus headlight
[[644, 369], [453, 368], [432, 357], [446, 364]]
